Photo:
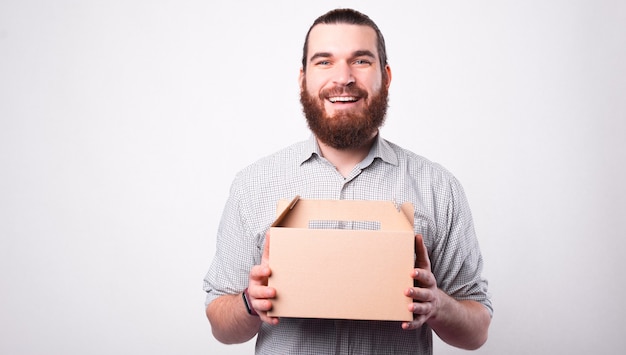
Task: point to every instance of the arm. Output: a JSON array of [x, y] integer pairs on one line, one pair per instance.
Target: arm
[[230, 322], [462, 324]]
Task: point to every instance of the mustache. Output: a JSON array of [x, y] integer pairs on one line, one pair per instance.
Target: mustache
[[343, 90]]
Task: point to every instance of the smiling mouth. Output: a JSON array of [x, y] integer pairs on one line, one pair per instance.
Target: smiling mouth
[[343, 99]]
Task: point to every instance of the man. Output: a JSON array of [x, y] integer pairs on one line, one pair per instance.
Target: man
[[344, 83]]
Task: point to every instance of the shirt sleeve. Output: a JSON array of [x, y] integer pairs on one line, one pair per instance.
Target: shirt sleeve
[[456, 259], [237, 249]]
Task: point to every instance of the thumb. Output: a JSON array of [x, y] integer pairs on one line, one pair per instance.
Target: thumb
[[265, 258], [422, 261]]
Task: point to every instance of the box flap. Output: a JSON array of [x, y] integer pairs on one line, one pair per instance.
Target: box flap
[[298, 212], [286, 207]]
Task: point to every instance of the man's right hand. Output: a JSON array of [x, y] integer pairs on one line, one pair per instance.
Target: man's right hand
[[260, 295]]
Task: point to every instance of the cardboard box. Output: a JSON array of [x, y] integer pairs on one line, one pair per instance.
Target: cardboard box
[[342, 273]]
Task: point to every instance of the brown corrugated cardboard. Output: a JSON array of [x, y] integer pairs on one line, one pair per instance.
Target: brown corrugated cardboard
[[342, 273]]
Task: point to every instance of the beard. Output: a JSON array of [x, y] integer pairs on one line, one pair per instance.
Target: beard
[[349, 129]]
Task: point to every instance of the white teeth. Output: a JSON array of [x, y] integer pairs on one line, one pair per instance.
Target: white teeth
[[342, 99]]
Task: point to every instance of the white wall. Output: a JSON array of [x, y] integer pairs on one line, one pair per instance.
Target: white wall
[[122, 124]]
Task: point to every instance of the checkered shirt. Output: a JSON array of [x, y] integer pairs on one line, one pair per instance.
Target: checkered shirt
[[389, 172]]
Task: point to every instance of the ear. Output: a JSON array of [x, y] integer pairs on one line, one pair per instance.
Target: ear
[[388, 71], [301, 78]]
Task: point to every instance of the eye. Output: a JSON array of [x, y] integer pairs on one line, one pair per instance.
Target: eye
[[323, 62], [362, 62]]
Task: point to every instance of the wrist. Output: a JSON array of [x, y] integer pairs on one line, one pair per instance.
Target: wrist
[[246, 301]]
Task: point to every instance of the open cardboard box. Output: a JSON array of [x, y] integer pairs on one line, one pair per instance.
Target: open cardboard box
[[342, 273]]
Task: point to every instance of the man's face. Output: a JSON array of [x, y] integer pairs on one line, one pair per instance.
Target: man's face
[[343, 94]]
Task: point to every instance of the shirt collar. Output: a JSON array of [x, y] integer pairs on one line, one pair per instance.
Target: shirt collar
[[380, 149], [310, 149]]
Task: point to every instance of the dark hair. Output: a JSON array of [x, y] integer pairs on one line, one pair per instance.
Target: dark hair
[[350, 17]]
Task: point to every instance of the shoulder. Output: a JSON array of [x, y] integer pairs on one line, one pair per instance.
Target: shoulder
[[283, 158], [269, 169], [421, 167]]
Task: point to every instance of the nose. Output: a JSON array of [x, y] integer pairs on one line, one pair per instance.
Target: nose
[[342, 75]]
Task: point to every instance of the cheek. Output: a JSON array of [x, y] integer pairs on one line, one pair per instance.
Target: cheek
[[313, 87], [316, 81], [374, 84]]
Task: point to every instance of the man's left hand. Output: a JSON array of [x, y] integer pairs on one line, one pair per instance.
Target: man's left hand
[[426, 294]]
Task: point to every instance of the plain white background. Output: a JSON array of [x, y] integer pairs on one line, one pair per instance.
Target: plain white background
[[122, 124]]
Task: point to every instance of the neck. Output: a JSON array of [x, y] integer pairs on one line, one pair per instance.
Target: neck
[[345, 160]]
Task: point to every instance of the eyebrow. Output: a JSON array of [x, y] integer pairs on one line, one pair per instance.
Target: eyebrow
[[320, 55], [359, 53]]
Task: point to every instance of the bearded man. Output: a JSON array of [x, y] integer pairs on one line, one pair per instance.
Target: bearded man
[[344, 83]]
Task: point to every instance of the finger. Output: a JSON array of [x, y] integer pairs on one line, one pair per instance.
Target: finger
[[415, 324], [424, 278], [421, 254], [267, 319], [259, 273], [421, 308], [419, 294], [262, 306]]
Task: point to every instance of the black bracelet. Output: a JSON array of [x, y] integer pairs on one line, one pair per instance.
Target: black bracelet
[[249, 308]]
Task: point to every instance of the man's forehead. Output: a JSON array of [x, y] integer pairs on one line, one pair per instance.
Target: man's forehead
[[337, 38]]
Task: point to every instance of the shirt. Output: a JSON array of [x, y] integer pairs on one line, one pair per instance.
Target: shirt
[[389, 172]]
